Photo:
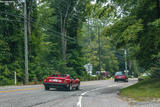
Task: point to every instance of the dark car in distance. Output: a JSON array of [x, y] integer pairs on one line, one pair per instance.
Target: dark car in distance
[[65, 81], [119, 76]]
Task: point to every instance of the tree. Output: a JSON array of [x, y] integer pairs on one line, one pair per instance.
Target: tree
[[138, 28], [11, 41]]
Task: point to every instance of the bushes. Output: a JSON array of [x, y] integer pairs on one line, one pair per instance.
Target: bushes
[[5, 81], [155, 73], [88, 78]]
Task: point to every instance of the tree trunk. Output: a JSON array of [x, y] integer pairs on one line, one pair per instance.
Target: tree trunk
[[64, 43], [63, 40], [130, 66], [64, 32]]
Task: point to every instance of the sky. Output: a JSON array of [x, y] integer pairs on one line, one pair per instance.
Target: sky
[[93, 2]]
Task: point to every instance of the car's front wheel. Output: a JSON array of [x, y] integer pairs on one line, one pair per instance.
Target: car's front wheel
[[115, 80], [77, 88], [46, 87], [70, 87], [126, 80]]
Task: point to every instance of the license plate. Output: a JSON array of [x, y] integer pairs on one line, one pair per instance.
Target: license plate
[[54, 80]]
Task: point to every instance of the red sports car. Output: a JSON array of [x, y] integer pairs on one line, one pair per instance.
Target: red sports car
[[119, 76], [61, 81]]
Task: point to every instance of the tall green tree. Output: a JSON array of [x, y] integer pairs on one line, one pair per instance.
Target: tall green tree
[[11, 43], [138, 27]]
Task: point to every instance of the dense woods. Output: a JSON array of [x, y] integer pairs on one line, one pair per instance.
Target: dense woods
[[64, 35], [137, 29]]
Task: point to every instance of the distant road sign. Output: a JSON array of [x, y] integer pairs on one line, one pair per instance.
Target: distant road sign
[[88, 67]]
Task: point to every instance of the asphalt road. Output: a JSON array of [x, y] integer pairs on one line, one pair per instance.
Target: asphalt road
[[102, 93]]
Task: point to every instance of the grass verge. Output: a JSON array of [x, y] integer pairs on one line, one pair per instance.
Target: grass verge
[[143, 91]]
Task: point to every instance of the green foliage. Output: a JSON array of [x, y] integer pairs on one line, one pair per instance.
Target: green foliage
[[155, 72], [125, 31], [137, 29], [11, 45], [5, 81], [88, 38]]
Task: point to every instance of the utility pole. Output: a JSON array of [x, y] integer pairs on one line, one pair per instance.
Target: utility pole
[[25, 42], [15, 78], [89, 32], [125, 54], [99, 53]]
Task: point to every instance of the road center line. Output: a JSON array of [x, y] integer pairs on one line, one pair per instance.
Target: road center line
[[20, 90], [79, 103]]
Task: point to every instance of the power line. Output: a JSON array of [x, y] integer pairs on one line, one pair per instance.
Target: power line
[[55, 14], [6, 13], [67, 37], [70, 38], [5, 19], [71, 15], [60, 38], [11, 14], [59, 33], [19, 16]]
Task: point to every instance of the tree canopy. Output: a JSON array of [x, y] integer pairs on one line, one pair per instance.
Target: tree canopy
[[64, 35]]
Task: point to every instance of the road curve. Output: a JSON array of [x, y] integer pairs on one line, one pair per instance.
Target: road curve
[[91, 94]]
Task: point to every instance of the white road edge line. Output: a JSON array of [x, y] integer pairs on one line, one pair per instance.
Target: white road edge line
[[79, 103]]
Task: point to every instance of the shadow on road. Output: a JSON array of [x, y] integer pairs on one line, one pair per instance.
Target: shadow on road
[[62, 89]]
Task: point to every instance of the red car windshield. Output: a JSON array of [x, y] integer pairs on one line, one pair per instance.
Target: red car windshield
[[118, 73]]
